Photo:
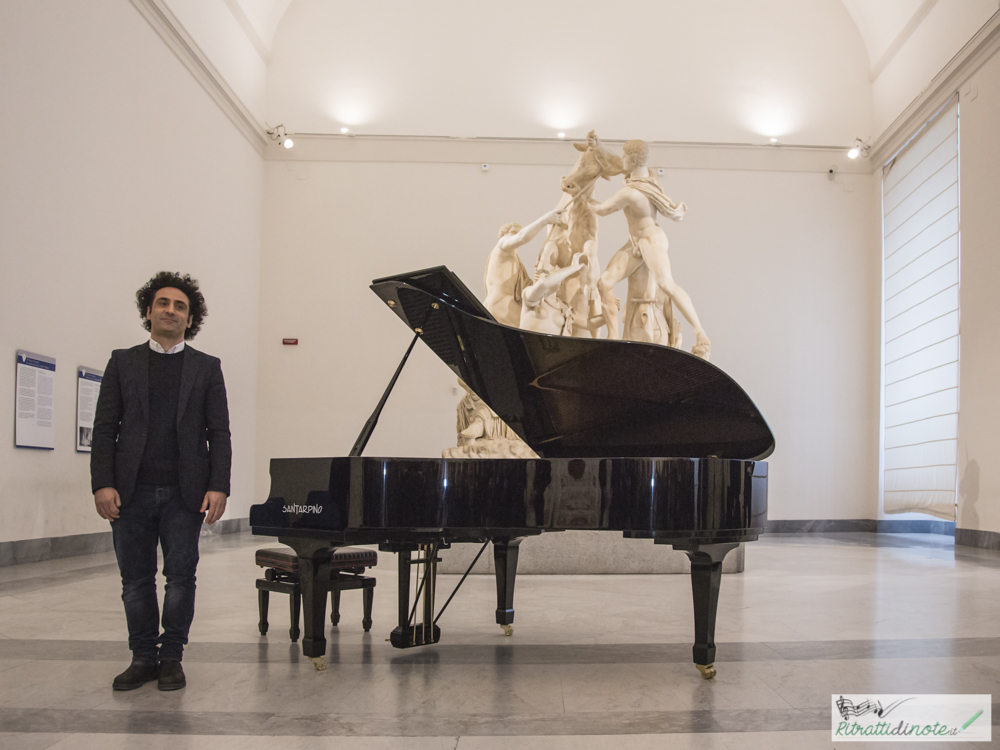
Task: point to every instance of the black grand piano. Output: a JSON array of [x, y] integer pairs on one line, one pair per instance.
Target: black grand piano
[[635, 438]]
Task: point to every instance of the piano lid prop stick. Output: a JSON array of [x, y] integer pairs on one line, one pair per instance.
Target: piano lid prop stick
[[481, 550], [369, 428]]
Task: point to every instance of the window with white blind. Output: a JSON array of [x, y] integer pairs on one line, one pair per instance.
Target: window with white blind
[[920, 356]]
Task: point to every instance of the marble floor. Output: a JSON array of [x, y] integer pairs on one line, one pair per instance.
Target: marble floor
[[595, 661]]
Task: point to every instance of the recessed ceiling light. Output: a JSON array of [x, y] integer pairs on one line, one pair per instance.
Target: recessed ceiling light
[[774, 140], [854, 153], [344, 130], [287, 143], [562, 135]]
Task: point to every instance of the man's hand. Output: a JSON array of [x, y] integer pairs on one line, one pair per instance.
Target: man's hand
[[107, 501], [215, 504], [580, 259]]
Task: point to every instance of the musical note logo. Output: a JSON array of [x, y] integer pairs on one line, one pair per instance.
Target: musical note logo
[[848, 709]]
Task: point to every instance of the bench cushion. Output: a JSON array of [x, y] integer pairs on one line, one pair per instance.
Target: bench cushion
[[284, 559]]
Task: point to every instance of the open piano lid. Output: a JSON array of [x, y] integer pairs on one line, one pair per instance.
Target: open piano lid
[[575, 397]]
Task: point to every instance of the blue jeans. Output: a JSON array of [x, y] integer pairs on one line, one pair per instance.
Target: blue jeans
[[157, 515]]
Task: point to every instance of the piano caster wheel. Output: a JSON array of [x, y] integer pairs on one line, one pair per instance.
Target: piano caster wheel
[[707, 670], [508, 630], [319, 662]]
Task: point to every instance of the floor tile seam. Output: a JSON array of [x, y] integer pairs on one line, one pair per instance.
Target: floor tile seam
[[318, 725], [228, 660], [33, 583]]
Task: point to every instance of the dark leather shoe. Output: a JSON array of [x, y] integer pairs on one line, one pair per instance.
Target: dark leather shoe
[[137, 675], [171, 676]]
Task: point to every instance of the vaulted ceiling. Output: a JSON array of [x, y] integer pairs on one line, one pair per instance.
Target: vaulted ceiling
[[671, 70]]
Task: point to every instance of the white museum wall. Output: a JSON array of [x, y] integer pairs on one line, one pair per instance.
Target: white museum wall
[[118, 165], [946, 29], [783, 268], [979, 393]]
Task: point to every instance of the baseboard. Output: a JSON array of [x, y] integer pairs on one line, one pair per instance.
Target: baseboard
[[977, 538], [820, 526], [226, 526], [870, 525], [54, 547], [890, 526]]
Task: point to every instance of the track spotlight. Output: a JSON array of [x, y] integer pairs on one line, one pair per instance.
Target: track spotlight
[[860, 148], [277, 133]]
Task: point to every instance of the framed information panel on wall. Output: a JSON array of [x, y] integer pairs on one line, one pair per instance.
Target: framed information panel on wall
[[88, 387], [34, 401]]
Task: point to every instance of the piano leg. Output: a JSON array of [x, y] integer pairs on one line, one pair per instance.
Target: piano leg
[[706, 577], [313, 582], [314, 578], [403, 561], [505, 562]]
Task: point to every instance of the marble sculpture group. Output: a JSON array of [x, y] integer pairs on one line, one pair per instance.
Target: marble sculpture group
[[568, 295]]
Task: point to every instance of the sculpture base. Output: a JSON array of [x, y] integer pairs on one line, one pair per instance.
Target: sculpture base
[[490, 448], [584, 553]]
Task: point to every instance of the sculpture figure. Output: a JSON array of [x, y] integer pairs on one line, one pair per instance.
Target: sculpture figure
[[482, 434], [641, 199], [583, 294], [505, 276], [649, 314], [542, 309]]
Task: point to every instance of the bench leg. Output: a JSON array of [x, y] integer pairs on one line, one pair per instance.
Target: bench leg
[[335, 605], [262, 599], [294, 605], [369, 594]]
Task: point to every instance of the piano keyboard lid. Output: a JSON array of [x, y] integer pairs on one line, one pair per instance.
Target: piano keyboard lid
[[580, 397]]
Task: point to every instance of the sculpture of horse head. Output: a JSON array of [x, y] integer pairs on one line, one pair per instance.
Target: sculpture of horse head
[[595, 161]]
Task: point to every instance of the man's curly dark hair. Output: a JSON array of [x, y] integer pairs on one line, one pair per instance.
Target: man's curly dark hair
[[147, 293]]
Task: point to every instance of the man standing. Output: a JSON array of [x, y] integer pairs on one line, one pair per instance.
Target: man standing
[[160, 466]]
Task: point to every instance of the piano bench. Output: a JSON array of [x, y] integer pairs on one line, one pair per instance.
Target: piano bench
[[281, 575]]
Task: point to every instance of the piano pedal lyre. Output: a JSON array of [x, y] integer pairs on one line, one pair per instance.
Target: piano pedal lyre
[[409, 634]]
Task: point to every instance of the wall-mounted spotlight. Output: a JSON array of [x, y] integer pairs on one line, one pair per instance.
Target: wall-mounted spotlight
[[860, 148], [561, 135], [278, 133], [345, 130]]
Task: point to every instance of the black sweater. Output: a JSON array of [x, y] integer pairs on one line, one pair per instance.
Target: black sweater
[[159, 460]]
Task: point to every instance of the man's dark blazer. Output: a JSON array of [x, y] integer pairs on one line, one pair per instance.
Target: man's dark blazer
[[120, 425]]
